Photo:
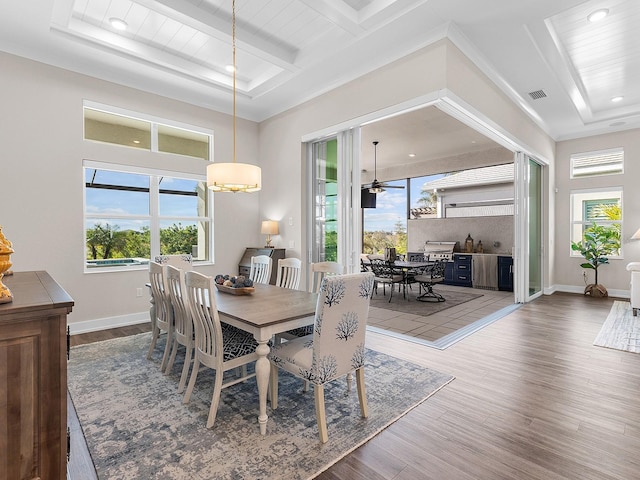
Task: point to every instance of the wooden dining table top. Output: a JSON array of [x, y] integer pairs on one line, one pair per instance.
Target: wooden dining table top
[[267, 305]]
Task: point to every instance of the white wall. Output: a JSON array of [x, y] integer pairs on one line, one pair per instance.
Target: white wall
[[568, 270], [42, 181]]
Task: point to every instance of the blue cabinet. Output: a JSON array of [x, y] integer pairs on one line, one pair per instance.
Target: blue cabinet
[[458, 272], [505, 274]]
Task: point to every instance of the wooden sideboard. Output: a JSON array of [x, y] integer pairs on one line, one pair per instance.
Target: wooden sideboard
[[33, 378]]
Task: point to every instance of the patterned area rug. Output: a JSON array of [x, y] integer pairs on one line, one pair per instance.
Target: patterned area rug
[[621, 330], [137, 427], [411, 305]]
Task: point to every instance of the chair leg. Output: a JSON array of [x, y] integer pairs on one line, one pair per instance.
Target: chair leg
[[167, 350], [349, 381], [155, 333], [321, 418], [305, 388], [362, 394], [172, 357], [215, 399], [185, 369], [273, 386], [192, 379]]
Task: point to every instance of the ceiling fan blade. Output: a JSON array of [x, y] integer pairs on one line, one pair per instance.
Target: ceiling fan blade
[[392, 186]]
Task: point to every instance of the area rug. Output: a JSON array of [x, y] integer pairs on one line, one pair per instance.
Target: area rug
[[415, 307], [621, 330], [136, 426]]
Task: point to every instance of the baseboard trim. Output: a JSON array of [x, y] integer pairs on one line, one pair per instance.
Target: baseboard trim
[[99, 324], [580, 289]]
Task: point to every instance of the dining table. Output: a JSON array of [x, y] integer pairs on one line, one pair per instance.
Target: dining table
[[409, 267], [269, 310]]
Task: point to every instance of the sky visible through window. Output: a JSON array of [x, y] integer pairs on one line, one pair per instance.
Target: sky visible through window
[[117, 202], [391, 205]]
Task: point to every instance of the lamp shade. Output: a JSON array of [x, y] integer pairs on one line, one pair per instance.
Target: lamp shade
[[636, 236], [234, 177], [269, 227]]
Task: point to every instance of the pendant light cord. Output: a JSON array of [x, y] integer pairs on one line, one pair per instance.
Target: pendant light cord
[[233, 39]]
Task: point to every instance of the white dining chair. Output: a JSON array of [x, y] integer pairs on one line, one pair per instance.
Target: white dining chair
[[289, 270], [163, 321], [319, 270], [336, 347], [183, 323], [220, 347], [260, 271], [183, 261]]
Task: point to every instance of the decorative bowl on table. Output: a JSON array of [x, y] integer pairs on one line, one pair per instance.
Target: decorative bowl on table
[[235, 285]]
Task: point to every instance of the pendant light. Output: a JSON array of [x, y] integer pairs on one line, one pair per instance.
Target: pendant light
[[234, 177]]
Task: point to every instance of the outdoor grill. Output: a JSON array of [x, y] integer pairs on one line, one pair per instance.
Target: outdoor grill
[[439, 250]]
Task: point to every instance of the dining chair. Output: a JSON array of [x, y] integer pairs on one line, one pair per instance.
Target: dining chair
[[386, 275], [163, 321], [319, 270], [183, 323], [218, 346], [431, 276], [336, 347], [289, 273], [183, 261], [260, 271]]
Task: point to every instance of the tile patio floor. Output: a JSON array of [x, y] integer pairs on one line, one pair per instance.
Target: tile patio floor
[[435, 326]]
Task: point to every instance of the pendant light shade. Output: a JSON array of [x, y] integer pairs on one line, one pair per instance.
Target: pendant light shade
[[234, 177]]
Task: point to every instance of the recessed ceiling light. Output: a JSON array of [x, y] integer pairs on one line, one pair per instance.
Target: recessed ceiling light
[[229, 68], [118, 23], [598, 15], [412, 155], [617, 99], [136, 141]]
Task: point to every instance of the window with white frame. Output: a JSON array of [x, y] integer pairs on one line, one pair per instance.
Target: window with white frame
[[132, 215], [601, 207], [602, 162]]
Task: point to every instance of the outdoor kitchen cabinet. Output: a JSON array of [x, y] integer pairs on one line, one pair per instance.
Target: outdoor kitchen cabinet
[[505, 273]]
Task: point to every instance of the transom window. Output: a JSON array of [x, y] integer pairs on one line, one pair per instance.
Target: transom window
[[603, 162]]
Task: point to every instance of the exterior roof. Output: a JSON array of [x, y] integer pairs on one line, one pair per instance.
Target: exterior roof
[[477, 176]]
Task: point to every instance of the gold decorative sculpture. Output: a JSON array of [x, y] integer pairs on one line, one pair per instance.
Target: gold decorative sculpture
[[6, 249]]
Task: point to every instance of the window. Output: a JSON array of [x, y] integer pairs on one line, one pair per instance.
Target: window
[[145, 133], [600, 207], [131, 215], [603, 162]]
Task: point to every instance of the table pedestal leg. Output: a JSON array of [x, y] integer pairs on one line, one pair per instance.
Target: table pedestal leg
[[263, 369]]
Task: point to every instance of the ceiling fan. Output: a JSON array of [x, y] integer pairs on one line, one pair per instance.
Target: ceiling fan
[[376, 186]]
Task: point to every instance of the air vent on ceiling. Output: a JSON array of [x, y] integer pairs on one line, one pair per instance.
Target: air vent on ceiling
[[537, 94]]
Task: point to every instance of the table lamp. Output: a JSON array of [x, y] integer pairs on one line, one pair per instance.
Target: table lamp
[[269, 227]]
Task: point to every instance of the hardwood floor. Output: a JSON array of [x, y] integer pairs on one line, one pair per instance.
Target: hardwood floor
[[532, 399]]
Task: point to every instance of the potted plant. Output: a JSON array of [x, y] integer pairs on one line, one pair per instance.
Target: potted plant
[[598, 242]]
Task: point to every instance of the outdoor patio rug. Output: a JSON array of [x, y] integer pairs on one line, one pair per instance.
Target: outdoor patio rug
[[621, 330], [137, 427], [411, 305]]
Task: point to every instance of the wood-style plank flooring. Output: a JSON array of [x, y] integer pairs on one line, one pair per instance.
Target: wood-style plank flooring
[[532, 399]]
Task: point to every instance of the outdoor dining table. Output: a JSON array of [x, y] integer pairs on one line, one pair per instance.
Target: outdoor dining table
[[409, 267], [266, 312]]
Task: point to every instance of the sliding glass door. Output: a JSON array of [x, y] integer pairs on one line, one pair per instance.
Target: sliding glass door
[[335, 206], [528, 261]]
